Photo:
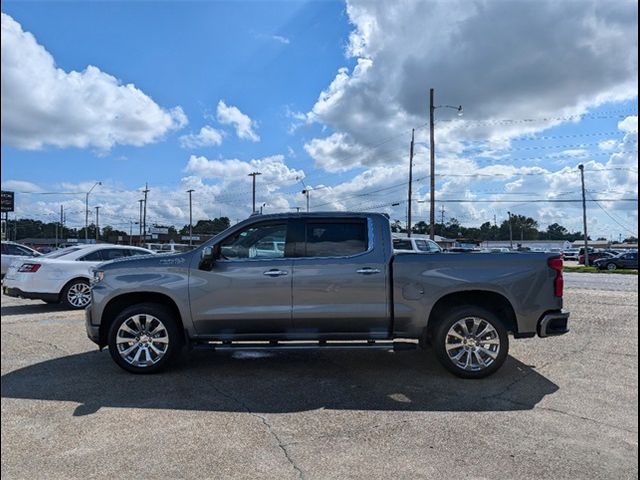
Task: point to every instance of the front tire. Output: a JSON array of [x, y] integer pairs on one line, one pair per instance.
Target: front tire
[[471, 342], [145, 338]]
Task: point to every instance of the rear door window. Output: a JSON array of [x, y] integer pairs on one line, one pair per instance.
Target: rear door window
[[399, 244], [95, 256], [335, 238]]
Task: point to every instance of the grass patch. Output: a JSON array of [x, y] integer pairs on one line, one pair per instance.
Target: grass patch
[[582, 269]]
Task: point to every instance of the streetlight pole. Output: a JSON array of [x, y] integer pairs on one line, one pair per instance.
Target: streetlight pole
[[144, 214], [141, 201], [432, 146], [584, 218], [410, 184], [510, 232], [254, 175], [190, 218], [86, 212], [97, 225]]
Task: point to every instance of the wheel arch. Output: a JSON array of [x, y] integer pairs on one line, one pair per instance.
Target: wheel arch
[[120, 302], [489, 300]]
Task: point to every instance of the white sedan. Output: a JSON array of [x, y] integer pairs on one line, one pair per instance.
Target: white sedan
[[64, 275]]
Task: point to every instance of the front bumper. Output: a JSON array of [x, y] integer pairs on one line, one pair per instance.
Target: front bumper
[[553, 324], [93, 331], [18, 293]]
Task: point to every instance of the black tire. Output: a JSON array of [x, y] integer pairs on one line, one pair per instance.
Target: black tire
[[441, 336], [75, 285], [170, 324], [611, 266]]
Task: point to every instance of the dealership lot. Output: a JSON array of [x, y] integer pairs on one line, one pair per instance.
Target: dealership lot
[[563, 407]]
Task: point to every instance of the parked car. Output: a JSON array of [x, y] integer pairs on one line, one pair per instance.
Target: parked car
[[622, 260], [63, 275], [168, 247], [571, 254], [593, 256], [415, 245], [336, 284], [12, 251]]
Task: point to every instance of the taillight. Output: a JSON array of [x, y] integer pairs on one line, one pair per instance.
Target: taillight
[[29, 267], [558, 284]]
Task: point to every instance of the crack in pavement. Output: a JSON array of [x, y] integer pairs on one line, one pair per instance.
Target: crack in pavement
[[263, 419], [573, 415], [22, 337]]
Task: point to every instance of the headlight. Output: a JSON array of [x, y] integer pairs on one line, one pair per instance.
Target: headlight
[[98, 276]]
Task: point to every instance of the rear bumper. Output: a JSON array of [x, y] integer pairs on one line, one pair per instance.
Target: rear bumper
[[552, 324], [16, 292]]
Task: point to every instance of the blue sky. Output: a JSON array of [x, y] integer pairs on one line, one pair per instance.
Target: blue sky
[[325, 94]]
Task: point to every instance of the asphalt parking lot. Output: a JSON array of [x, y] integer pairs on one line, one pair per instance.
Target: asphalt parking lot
[[563, 407]]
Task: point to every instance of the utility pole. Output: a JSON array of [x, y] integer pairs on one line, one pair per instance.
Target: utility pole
[[130, 232], [442, 218], [97, 225], [254, 174], [432, 213], [144, 215], [141, 201], [584, 218], [191, 217], [510, 232], [410, 184]]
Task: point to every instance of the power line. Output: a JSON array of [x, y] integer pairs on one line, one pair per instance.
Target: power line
[[610, 216]]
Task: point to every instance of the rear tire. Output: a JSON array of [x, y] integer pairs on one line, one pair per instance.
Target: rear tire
[[471, 342], [145, 338], [76, 294], [611, 266]]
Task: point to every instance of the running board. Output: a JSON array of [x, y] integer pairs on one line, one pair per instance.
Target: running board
[[311, 345]]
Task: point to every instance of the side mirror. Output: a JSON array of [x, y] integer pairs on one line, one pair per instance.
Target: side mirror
[[208, 257]]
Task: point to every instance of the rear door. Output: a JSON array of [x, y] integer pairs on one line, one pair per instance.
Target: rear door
[[248, 289], [339, 279]]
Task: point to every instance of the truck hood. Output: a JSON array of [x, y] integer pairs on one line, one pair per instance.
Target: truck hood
[[146, 261]]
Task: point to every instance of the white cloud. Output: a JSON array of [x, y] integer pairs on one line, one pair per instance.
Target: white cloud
[[281, 39], [483, 55], [207, 136], [20, 186], [44, 105], [575, 152], [607, 145], [244, 126]]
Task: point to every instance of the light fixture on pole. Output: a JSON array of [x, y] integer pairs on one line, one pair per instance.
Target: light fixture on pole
[[432, 109], [86, 212]]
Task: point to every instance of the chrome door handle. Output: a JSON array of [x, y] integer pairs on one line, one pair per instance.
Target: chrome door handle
[[275, 273], [367, 271]]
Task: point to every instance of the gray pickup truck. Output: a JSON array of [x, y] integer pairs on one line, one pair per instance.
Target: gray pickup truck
[[323, 280]]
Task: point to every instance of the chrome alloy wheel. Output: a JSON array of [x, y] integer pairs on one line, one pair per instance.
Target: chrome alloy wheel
[[472, 344], [142, 340], [79, 295]]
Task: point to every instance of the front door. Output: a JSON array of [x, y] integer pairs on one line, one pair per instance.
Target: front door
[[339, 280], [248, 289]]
